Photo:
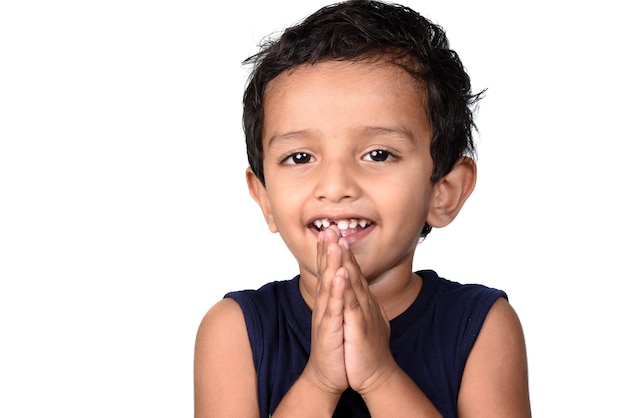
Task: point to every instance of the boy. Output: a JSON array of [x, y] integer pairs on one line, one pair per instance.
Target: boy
[[358, 127]]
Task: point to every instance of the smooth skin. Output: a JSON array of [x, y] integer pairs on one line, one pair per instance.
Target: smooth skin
[[345, 140]]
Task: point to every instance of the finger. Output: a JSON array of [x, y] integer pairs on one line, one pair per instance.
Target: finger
[[327, 359], [330, 306], [330, 256], [334, 307], [351, 302], [328, 316], [324, 239], [321, 253], [357, 281]]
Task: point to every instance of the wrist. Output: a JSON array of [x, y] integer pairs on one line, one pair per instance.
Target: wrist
[[308, 398], [379, 382], [396, 394]]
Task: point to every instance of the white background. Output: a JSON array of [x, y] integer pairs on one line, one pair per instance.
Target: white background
[[124, 213]]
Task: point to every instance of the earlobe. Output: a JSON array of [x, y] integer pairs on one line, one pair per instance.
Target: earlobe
[[451, 192], [259, 194]]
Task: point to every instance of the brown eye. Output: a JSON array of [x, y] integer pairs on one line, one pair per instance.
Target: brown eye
[[378, 155], [299, 158]]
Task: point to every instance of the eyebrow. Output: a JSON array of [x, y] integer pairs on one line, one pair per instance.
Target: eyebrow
[[366, 131], [396, 132], [285, 137]]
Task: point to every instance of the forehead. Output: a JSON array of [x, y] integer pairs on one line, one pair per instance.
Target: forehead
[[335, 96], [339, 71]]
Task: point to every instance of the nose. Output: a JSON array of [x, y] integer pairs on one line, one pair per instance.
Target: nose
[[337, 181]]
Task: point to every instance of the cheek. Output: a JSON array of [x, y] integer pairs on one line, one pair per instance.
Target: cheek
[[286, 204], [408, 202]]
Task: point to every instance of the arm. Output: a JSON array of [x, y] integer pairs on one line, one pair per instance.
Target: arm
[[317, 391], [495, 380], [224, 374], [399, 396], [305, 399], [225, 379], [373, 372], [371, 369]]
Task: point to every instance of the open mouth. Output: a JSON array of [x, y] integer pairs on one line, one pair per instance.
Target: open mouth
[[346, 226]]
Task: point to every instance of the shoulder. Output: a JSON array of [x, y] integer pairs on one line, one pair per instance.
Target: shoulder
[[224, 374], [272, 289], [495, 380], [442, 286], [223, 315], [221, 334], [262, 307], [460, 303], [468, 291]]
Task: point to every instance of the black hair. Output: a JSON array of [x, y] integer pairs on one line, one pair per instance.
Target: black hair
[[357, 30]]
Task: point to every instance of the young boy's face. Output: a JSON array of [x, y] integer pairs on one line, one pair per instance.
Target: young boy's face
[[347, 143]]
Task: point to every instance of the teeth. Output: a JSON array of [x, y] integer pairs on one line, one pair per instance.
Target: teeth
[[342, 224]]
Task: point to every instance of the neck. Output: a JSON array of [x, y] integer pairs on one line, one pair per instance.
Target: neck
[[395, 294], [395, 290]]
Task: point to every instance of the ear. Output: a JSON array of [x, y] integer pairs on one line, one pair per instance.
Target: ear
[[259, 194], [451, 192]]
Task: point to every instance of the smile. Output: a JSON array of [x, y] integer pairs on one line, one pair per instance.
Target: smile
[[345, 226]]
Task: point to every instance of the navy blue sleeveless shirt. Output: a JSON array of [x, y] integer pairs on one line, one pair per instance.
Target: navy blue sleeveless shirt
[[430, 341]]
